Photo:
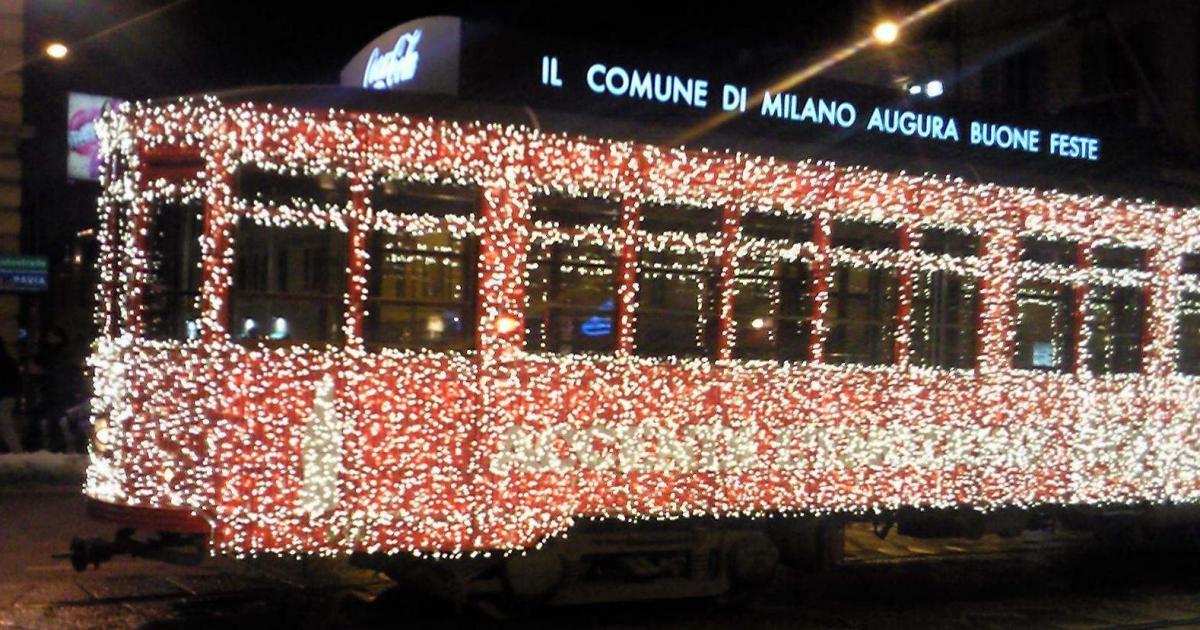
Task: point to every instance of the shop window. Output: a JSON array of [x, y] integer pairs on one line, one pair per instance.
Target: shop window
[[1188, 334], [863, 235], [421, 287], [678, 290], [173, 285], [772, 310], [1045, 327], [945, 319], [1116, 321], [1189, 265], [572, 289], [289, 283], [862, 316], [1048, 251]]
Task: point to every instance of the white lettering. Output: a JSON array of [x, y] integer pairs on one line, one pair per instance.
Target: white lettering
[[387, 70]]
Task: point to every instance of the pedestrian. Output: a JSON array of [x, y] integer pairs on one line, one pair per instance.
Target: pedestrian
[[10, 389]]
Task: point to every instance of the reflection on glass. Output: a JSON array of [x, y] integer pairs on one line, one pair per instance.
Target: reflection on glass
[[677, 306], [1116, 320], [173, 246], [572, 292], [1045, 337], [289, 283], [420, 292], [772, 310], [944, 320], [862, 316]]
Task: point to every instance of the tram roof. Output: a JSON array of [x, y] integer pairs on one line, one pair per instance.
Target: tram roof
[[1117, 180]]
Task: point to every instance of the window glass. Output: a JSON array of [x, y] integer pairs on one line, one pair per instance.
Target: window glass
[[254, 183], [944, 241], [289, 283], [1188, 339], [1045, 327], [862, 316], [776, 227], [772, 310], [572, 291], [1048, 251], [1190, 264], [863, 235], [421, 289], [1119, 258], [173, 246], [945, 317], [1116, 321], [677, 305]]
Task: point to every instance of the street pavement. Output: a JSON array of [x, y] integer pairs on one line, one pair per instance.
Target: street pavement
[[1037, 580]]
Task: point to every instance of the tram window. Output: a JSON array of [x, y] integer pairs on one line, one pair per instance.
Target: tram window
[[1188, 334], [863, 235], [862, 316], [254, 183], [421, 291], [945, 319], [1119, 258], [1116, 321], [688, 220], [426, 199], [677, 291], [772, 310], [952, 242], [1045, 327], [572, 287], [1190, 265], [173, 246], [777, 227], [1046, 251], [288, 283]]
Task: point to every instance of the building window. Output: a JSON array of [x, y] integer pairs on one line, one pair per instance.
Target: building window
[[421, 287], [289, 283], [1045, 327], [1048, 251], [866, 236], [171, 292], [677, 289], [862, 316], [572, 289]]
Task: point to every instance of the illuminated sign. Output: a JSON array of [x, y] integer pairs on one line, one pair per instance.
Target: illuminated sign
[[386, 70], [698, 93], [24, 273], [83, 145], [420, 56]]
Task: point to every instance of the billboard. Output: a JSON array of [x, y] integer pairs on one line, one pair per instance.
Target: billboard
[[83, 146]]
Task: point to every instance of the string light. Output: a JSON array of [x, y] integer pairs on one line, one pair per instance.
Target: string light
[[314, 449]]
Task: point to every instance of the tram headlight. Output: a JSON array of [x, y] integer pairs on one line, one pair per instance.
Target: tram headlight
[[102, 437]]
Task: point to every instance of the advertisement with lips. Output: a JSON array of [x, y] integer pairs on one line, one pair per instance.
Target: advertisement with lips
[[83, 146]]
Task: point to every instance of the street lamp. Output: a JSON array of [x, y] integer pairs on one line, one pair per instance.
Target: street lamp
[[886, 32], [57, 50]]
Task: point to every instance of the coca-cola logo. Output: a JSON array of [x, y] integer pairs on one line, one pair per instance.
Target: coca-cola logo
[[385, 70]]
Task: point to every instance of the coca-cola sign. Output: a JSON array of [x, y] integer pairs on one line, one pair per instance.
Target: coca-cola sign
[[418, 56]]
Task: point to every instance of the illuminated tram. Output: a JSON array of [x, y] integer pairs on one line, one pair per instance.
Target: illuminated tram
[[331, 331]]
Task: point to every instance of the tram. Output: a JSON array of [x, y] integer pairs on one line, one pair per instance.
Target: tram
[[331, 331]]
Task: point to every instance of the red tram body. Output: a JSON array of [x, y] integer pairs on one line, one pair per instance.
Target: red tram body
[[343, 447]]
